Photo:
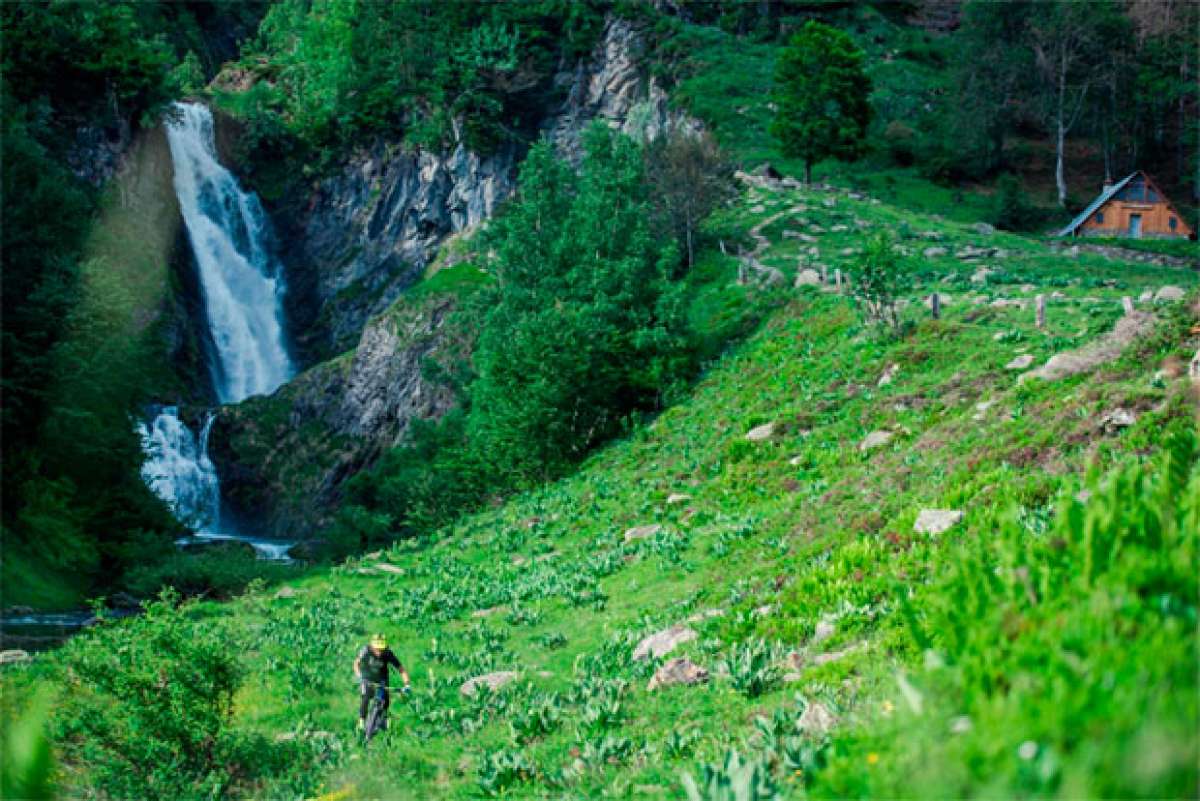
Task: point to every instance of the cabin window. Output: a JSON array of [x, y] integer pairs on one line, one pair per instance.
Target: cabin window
[[1099, 217], [1172, 223]]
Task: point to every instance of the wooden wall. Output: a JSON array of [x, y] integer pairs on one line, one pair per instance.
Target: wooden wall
[[1155, 220]]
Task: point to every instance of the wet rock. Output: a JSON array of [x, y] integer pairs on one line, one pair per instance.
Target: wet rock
[[677, 671], [492, 681], [642, 532], [875, 440], [761, 433], [935, 521], [661, 643]]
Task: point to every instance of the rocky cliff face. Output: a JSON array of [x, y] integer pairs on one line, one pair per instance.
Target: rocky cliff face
[[357, 242], [365, 234], [368, 232], [283, 458]]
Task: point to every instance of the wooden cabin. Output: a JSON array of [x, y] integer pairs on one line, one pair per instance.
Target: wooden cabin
[[1133, 208]]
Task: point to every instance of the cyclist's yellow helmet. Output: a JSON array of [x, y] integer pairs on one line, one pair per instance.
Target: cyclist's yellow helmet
[[378, 641]]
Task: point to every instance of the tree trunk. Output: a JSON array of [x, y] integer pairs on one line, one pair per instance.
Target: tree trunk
[[1059, 178]]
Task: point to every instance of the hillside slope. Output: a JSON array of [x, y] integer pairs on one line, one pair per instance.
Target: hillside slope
[[824, 617]]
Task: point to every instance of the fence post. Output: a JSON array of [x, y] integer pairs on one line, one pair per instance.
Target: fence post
[[837, 279], [1040, 303], [1127, 303], [935, 305], [824, 274]]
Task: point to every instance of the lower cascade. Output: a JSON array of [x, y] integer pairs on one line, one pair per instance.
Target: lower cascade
[[242, 287]]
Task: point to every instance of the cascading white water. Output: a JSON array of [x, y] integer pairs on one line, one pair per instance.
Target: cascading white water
[[242, 287], [241, 282]]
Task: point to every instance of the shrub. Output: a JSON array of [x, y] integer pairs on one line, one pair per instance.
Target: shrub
[[881, 279], [751, 668], [149, 706]]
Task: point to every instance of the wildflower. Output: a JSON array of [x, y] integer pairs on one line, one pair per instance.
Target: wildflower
[[872, 758], [888, 708]]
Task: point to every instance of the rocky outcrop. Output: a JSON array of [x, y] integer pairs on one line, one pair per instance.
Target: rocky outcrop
[[368, 232], [614, 87], [364, 234], [283, 458]]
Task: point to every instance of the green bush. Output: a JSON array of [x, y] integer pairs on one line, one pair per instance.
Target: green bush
[[1013, 211], [148, 708]]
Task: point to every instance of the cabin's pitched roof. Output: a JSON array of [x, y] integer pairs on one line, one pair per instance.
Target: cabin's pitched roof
[[1097, 203]]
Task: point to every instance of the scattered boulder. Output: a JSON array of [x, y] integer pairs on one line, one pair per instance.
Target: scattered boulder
[[935, 252], [817, 719], [889, 375], [1146, 297], [1100, 351], [663, 642], [1116, 419], [935, 521], [386, 567], [1020, 363], [807, 277], [761, 433], [679, 670], [491, 610], [677, 498], [286, 592], [824, 630], [14, 656], [642, 532], [493, 681], [759, 209], [700, 617], [983, 229], [875, 440], [838, 229], [980, 276], [1169, 294]]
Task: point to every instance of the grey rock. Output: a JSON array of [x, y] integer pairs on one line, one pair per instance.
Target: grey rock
[[492, 681], [1169, 294], [875, 439], [1020, 362], [807, 277], [678, 671], [934, 252], [642, 532], [677, 498], [663, 642], [889, 375], [817, 719], [14, 656], [1100, 351], [935, 521], [286, 592], [983, 229], [1116, 419], [761, 433]]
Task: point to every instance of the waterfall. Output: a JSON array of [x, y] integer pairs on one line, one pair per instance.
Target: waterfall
[[241, 281], [242, 287]]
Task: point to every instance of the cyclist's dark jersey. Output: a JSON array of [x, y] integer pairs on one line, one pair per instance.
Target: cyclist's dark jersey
[[375, 668]]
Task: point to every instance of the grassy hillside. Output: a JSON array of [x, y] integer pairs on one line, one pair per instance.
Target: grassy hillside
[[1042, 645]]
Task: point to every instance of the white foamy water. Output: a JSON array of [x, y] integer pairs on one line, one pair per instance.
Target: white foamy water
[[242, 288]]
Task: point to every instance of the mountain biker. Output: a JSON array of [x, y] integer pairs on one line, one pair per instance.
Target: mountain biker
[[371, 669]]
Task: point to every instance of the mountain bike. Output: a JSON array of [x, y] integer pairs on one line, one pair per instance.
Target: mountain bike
[[376, 711]]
